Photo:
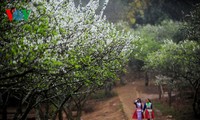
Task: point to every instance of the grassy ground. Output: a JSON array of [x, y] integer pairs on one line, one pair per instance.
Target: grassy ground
[[177, 113], [100, 95]]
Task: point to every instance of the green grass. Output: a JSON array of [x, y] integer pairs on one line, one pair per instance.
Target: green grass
[[165, 109]]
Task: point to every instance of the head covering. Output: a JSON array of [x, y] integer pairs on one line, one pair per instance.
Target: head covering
[[139, 100], [148, 100]]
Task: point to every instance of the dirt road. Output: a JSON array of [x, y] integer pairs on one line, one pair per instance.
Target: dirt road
[[132, 91], [121, 107]]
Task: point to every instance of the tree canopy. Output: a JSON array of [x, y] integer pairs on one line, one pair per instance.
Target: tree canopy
[[62, 52]]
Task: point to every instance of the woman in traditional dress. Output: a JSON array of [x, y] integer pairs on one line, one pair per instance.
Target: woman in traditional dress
[[148, 110], [138, 112]]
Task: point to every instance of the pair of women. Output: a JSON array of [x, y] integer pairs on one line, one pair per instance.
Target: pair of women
[[147, 109]]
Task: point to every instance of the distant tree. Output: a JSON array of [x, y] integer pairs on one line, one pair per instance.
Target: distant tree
[[151, 37], [179, 62], [193, 27], [155, 11], [136, 11]]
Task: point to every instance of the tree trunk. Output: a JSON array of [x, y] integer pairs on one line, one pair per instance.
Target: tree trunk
[[28, 109], [122, 81], [170, 96], [69, 114], [122, 78], [64, 110], [60, 115], [19, 110], [195, 103], [5, 98], [108, 88], [37, 113], [4, 113], [146, 78], [79, 111], [160, 89], [46, 115]]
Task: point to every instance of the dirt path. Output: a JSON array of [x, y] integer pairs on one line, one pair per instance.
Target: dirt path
[[133, 90], [110, 109], [121, 107]]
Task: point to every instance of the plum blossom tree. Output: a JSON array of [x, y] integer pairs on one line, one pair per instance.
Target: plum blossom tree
[[58, 57]]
